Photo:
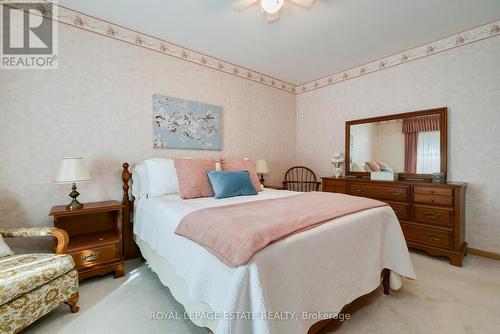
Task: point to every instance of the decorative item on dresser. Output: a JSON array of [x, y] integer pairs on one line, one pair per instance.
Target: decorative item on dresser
[[432, 215], [337, 160], [95, 237], [300, 178]]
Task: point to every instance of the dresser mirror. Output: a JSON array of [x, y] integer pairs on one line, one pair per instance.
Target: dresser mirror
[[412, 144]]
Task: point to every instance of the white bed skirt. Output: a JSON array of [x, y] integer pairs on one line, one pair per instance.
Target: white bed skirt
[[177, 286]]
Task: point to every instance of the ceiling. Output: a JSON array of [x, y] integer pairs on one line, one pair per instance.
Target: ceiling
[[304, 44]]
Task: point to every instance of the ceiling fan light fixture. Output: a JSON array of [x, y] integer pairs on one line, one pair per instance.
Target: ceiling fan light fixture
[[271, 6]]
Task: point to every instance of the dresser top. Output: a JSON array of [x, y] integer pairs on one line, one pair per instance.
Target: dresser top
[[399, 182]]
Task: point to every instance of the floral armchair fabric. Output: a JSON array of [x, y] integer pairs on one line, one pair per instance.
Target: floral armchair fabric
[[31, 285]]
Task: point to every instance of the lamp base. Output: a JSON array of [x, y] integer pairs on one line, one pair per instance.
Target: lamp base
[[74, 205], [262, 179]]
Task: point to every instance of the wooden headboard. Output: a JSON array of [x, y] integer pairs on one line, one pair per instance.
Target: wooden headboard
[[130, 249]]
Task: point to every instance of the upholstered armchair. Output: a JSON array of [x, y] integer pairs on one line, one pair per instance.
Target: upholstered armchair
[[31, 285]]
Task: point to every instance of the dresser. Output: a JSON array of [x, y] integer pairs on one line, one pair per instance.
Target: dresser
[[432, 215]]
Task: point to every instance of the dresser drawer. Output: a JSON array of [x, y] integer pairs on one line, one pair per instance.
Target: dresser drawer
[[379, 192], [402, 211], [334, 186], [96, 255], [428, 235], [432, 199], [433, 215], [433, 191]]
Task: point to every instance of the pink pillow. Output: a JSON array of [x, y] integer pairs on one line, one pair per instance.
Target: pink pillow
[[374, 167], [243, 164], [383, 164], [192, 177]]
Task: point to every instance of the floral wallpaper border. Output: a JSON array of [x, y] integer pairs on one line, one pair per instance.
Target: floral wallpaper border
[[105, 28], [466, 37]]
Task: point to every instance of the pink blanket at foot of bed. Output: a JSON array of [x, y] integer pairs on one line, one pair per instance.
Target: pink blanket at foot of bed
[[236, 232]]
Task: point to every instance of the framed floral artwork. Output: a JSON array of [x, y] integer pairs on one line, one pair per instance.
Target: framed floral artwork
[[184, 124]]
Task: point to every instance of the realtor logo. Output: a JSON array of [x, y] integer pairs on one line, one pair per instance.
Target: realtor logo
[[29, 35]]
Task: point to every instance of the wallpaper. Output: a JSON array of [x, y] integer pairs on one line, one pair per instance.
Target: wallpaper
[[98, 105], [466, 80], [105, 28]]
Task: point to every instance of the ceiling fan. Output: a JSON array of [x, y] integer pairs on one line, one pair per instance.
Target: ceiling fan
[[270, 8]]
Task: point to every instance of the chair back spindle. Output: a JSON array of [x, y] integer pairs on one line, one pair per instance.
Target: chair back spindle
[[300, 178]]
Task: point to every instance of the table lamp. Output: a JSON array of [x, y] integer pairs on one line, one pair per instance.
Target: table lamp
[[72, 170], [261, 168]]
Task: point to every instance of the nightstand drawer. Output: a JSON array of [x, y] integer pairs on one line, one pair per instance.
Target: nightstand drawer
[[96, 255]]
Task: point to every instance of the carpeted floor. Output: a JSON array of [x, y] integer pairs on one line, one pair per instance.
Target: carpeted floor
[[444, 299]]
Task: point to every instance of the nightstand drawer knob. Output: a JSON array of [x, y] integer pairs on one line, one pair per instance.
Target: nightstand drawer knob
[[91, 257]]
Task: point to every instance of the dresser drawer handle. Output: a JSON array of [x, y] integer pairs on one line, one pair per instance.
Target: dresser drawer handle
[[91, 257], [431, 215], [395, 193], [434, 237], [358, 190], [431, 200]]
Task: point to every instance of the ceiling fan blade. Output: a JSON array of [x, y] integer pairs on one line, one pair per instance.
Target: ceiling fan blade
[[303, 3], [243, 4], [272, 16]]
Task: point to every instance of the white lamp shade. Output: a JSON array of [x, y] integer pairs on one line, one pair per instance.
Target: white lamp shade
[[72, 170], [261, 167]]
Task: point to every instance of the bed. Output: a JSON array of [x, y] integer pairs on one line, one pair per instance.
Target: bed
[[288, 286]]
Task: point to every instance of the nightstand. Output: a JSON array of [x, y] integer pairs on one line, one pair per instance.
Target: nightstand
[[95, 237]]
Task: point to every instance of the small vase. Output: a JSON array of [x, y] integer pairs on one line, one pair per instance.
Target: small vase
[[438, 177], [337, 171]]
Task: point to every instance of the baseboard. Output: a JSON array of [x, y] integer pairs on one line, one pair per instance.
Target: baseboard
[[483, 253]]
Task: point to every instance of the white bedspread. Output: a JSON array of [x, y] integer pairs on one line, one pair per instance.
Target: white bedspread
[[318, 270]]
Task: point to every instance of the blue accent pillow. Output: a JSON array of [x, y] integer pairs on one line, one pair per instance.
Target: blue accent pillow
[[230, 184]]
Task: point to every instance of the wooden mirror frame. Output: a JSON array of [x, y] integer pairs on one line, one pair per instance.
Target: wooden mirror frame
[[442, 112]]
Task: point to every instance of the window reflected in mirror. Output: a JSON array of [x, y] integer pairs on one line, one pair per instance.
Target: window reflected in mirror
[[406, 145]]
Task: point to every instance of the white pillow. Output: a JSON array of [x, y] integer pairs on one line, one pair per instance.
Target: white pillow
[[355, 167], [162, 177], [140, 181], [4, 248]]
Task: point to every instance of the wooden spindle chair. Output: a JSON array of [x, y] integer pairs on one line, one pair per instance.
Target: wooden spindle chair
[[300, 178]]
